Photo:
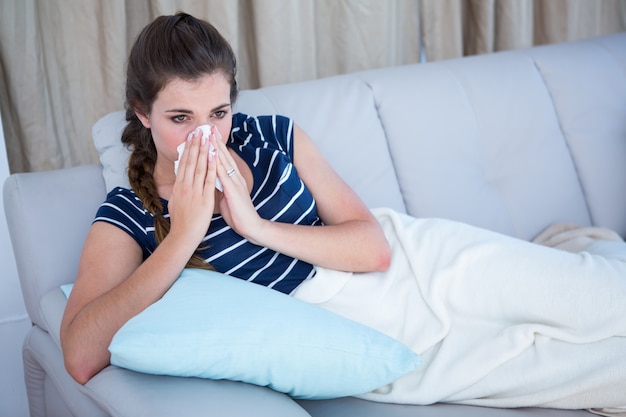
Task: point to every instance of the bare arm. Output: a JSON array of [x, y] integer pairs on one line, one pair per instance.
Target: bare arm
[[352, 239], [111, 287], [113, 284]]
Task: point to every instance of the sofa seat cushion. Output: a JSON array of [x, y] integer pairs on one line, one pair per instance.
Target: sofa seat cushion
[[126, 393], [342, 407]]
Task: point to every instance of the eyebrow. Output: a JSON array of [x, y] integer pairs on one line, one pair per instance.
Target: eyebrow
[[185, 111]]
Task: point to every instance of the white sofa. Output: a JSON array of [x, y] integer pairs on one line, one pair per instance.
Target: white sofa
[[512, 142]]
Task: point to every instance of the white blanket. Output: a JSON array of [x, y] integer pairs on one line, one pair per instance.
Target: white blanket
[[499, 322]]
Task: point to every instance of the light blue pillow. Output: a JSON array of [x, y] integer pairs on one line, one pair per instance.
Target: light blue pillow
[[213, 326]]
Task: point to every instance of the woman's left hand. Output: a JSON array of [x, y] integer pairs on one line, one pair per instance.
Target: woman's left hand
[[235, 204]]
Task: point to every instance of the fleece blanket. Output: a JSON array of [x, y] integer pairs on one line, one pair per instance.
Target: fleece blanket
[[499, 322]]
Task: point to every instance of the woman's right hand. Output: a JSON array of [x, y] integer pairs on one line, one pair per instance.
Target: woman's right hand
[[192, 200]]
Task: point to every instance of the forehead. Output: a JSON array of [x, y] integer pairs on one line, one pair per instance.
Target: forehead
[[207, 89]]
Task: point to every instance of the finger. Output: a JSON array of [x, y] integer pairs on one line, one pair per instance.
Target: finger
[[182, 159], [223, 149], [190, 157], [220, 159], [202, 163], [227, 171], [228, 181], [227, 167], [211, 170]]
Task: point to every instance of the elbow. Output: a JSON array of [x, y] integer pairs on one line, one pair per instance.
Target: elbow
[[81, 359], [79, 368], [81, 373], [382, 258]]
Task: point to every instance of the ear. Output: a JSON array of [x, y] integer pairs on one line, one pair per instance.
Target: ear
[[145, 120], [141, 114]]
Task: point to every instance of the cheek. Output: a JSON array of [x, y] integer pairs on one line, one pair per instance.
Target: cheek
[[167, 139], [224, 129]]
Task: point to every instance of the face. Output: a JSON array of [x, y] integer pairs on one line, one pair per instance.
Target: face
[[181, 106]]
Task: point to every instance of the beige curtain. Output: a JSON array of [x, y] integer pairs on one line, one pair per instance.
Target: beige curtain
[[62, 61], [454, 28]]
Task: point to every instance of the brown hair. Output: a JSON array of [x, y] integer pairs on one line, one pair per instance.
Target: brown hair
[[178, 46]]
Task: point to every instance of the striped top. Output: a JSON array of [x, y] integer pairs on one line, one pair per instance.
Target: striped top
[[265, 143]]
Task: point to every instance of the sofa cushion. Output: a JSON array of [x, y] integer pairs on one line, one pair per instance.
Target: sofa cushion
[[590, 102], [340, 115], [481, 143], [113, 154], [213, 326]]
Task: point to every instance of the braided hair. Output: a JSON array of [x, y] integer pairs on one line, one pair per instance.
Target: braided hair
[[177, 46]]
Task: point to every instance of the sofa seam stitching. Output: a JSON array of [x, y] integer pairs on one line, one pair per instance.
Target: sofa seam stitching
[[563, 134], [389, 151]]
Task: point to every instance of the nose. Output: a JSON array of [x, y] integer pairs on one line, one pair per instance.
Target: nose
[[206, 129]]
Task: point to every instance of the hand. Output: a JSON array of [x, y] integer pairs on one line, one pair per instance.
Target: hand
[[192, 201], [235, 204]]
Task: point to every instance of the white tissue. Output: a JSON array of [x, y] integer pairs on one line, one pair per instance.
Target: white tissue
[[206, 131]]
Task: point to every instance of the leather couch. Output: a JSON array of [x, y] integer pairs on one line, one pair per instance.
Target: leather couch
[[511, 141]]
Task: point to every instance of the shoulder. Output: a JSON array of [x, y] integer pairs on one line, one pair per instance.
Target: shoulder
[[262, 122], [124, 210], [125, 199], [265, 130], [123, 206]]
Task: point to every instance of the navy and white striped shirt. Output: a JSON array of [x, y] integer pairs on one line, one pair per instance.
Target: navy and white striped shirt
[[265, 143]]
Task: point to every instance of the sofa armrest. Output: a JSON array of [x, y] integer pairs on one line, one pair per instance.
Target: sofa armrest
[[48, 216]]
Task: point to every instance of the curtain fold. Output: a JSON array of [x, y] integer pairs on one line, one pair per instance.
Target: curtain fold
[[570, 20], [496, 25], [354, 36], [62, 62], [442, 28], [57, 75], [455, 28]]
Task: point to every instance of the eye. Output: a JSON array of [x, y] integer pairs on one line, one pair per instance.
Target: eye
[[220, 114], [179, 119]]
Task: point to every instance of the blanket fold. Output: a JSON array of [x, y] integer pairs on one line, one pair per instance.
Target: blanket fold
[[575, 238]]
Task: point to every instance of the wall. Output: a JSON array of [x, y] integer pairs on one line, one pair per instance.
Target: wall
[[14, 323]]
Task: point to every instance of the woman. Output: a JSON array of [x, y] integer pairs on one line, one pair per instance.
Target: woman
[[286, 220], [181, 74]]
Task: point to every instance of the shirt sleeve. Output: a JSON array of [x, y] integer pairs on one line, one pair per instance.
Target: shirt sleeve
[[124, 210]]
